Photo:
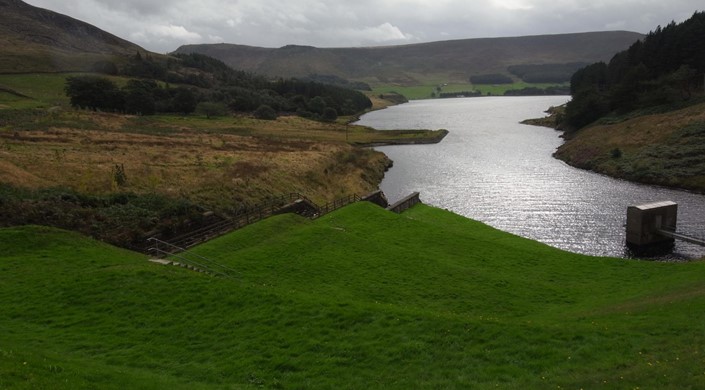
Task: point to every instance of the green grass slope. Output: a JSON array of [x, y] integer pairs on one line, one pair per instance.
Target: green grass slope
[[33, 90], [361, 298]]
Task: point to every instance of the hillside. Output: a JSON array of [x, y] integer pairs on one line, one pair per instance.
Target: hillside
[[658, 148], [117, 177], [666, 68], [150, 143], [431, 300], [640, 116], [33, 39], [452, 61]]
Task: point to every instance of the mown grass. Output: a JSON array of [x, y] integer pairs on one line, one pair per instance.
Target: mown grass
[[360, 298]]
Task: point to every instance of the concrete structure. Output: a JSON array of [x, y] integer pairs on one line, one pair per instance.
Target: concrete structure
[[376, 197], [405, 204], [645, 223]]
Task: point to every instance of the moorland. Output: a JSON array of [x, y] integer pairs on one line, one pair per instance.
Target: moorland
[[358, 298], [425, 70]]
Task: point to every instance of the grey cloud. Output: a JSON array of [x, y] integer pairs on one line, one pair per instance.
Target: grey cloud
[[163, 26]]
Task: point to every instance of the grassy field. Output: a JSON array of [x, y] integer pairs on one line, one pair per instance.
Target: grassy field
[[429, 300], [122, 178], [39, 90], [216, 161], [426, 91]]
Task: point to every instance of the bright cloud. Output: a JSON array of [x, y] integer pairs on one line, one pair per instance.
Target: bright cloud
[[164, 26], [385, 32], [513, 5], [173, 32]]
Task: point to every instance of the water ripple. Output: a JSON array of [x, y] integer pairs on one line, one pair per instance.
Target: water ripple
[[495, 170]]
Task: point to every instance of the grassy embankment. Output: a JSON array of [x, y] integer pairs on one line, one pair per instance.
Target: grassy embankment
[[212, 161], [664, 148], [361, 298]]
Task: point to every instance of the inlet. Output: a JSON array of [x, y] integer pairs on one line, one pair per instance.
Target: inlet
[[655, 224]]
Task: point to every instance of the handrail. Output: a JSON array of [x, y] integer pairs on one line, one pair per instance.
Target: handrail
[[239, 220], [337, 204], [187, 262], [184, 241], [190, 234], [180, 254]]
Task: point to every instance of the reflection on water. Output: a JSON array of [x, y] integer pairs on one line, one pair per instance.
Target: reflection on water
[[495, 170]]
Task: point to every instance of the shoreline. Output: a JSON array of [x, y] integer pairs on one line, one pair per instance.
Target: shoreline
[[620, 150], [442, 133]]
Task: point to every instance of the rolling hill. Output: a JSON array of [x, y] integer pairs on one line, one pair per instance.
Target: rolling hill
[[453, 61], [430, 300], [33, 39], [39, 40]]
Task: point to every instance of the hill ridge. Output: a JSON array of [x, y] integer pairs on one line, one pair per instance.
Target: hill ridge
[[40, 40], [454, 59]]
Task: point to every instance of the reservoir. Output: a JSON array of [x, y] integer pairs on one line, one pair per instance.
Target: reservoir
[[493, 169]]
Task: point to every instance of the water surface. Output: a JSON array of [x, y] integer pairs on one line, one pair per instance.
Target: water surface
[[493, 169]]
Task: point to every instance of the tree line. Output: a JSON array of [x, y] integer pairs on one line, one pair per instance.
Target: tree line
[[546, 73], [208, 85], [666, 68], [494, 78]]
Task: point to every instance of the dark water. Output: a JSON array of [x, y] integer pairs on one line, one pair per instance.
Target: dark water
[[495, 170]]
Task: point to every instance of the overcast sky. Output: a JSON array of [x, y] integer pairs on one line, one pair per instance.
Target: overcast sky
[[162, 26]]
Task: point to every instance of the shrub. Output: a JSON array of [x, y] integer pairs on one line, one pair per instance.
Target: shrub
[[265, 112], [329, 114]]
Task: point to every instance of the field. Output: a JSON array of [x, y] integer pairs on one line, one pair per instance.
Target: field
[[38, 90], [214, 161], [430, 300], [425, 91]]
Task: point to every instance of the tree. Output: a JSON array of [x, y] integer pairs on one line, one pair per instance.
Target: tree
[[265, 112], [494, 78], [329, 114], [585, 108], [669, 62], [95, 93], [140, 102], [139, 97], [317, 105], [184, 101], [625, 95], [685, 80]]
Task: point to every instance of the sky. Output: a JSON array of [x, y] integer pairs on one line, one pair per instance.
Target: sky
[[162, 26]]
